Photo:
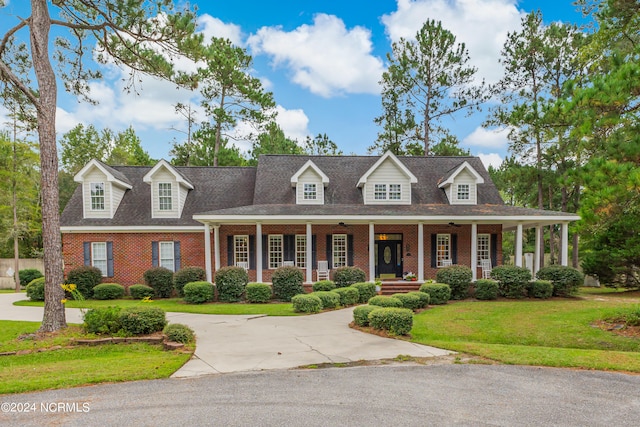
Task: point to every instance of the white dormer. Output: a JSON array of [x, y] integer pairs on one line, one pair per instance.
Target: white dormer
[[387, 182], [461, 186], [169, 190], [102, 189], [309, 182]]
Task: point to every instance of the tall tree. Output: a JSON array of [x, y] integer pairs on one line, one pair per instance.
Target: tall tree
[[200, 151], [139, 34], [273, 141], [321, 145], [427, 80], [449, 146]]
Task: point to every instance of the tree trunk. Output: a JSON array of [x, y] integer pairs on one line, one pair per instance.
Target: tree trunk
[[14, 201], [54, 315], [574, 255]]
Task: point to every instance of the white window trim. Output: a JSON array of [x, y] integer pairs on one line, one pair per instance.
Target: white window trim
[[169, 197], [277, 263], [103, 196], [236, 238], [399, 192], [385, 192], [160, 258], [334, 239], [94, 259], [301, 251], [467, 192], [448, 250], [488, 250], [312, 191]]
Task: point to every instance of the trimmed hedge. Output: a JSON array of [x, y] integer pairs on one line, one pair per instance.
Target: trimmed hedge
[[161, 280], [178, 332], [439, 293], [366, 290], [541, 289], [486, 289], [348, 295], [512, 280], [306, 303], [458, 277], [141, 291], [231, 283], [287, 282], [259, 293], [423, 297], [142, 320], [347, 276], [385, 301], [27, 275], [35, 289], [361, 314], [187, 275], [566, 280], [199, 292], [106, 291], [85, 278], [329, 299], [324, 285], [412, 302], [103, 320], [398, 321]]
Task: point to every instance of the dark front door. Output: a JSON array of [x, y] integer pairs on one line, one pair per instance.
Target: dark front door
[[389, 258]]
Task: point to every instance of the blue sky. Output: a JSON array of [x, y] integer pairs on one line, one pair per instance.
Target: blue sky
[[321, 59]]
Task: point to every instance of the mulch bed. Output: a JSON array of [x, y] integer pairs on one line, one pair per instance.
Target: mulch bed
[[618, 328]]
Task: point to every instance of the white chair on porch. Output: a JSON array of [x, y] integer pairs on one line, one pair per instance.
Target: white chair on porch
[[446, 263], [323, 270], [288, 264], [243, 264], [485, 264]]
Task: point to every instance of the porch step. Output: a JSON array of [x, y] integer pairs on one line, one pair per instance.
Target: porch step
[[399, 287]]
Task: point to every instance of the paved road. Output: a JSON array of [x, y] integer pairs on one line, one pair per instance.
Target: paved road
[[387, 396]]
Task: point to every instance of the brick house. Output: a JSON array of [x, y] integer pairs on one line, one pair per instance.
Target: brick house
[[385, 214]]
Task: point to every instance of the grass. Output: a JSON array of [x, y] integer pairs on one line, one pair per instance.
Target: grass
[[557, 333]]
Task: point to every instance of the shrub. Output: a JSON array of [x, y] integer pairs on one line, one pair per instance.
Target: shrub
[[412, 302], [141, 291], [329, 299], [103, 320], [439, 293], [259, 293], [108, 291], [187, 275], [347, 276], [398, 321], [199, 292], [161, 280], [348, 295], [512, 280], [85, 278], [231, 283], [458, 277], [287, 282], [361, 314], [306, 303], [366, 290], [541, 289], [566, 280], [27, 275], [385, 301], [142, 320], [422, 297], [324, 285], [486, 289], [35, 289], [178, 332]]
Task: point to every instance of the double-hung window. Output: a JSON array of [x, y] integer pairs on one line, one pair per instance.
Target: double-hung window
[[387, 192], [99, 256], [310, 191], [164, 195], [97, 196], [443, 248], [301, 250], [339, 250], [484, 247], [275, 250], [395, 191], [380, 191], [166, 258], [463, 193], [241, 249]]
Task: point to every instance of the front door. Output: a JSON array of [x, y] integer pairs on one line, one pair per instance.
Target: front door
[[389, 258]]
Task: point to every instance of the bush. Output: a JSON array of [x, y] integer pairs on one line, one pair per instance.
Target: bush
[[412, 302], [439, 293], [486, 289], [565, 280], [178, 332], [348, 295], [231, 283], [287, 282], [103, 320], [85, 278], [35, 289], [141, 291], [347, 276], [324, 285], [187, 275], [27, 275], [366, 290], [541, 289], [329, 299], [385, 301], [423, 297], [458, 277], [306, 303], [108, 291], [199, 292], [398, 321], [142, 320], [259, 293], [361, 314], [512, 280], [161, 280]]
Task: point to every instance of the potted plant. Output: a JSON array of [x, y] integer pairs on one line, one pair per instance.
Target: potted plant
[[379, 287], [410, 276]]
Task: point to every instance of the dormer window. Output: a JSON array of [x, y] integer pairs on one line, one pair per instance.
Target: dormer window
[[387, 192], [395, 191], [380, 192], [97, 196], [165, 198], [310, 184], [310, 191], [463, 192]]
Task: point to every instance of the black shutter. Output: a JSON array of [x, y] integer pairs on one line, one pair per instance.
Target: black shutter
[[454, 248], [87, 253], [229, 250], [329, 250], [314, 253], [289, 242], [176, 256], [350, 250], [109, 259], [265, 252], [154, 254], [494, 250], [252, 252], [434, 251]]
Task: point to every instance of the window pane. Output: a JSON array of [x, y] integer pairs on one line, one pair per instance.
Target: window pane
[[97, 196], [310, 192], [442, 248], [483, 247], [463, 191], [395, 191], [380, 192], [166, 255], [275, 250], [301, 250], [339, 250], [164, 193], [241, 248], [99, 256]]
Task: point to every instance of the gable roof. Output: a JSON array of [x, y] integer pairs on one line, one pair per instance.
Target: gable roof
[[112, 174], [303, 169], [175, 172], [388, 155], [452, 174]]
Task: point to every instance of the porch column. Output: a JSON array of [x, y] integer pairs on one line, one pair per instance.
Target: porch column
[[372, 255], [519, 246], [420, 252], [536, 257], [216, 246], [564, 244], [308, 259], [207, 251], [474, 251], [258, 252]]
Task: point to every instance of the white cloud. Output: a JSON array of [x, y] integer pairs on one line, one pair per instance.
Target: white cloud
[[487, 138], [214, 27], [325, 57], [481, 24], [492, 159], [294, 123]]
